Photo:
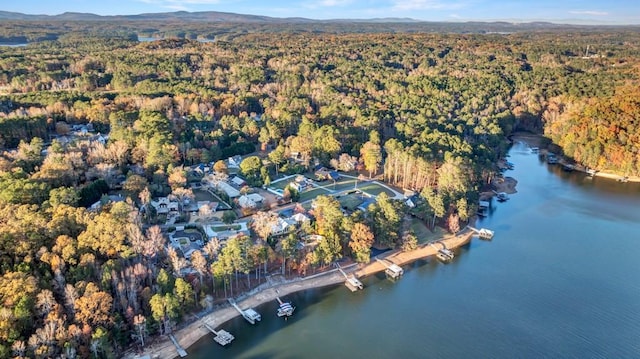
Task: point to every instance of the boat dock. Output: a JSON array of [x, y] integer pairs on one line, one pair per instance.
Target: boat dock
[[222, 337], [250, 315], [351, 281], [285, 309], [483, 233], [392, 270], [443, 254], [181, 351]]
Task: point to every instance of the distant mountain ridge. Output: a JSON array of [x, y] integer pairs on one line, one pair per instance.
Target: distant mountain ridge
[[214, 16], [227, 17]]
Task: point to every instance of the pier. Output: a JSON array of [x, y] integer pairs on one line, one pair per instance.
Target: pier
[[392, 270], [285, 309], [483, 233], [250, 315], [181, 351], [352, 282]]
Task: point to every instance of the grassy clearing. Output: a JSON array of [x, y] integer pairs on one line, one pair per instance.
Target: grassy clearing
[[375, 189], [423, 233], [350, 201], [308, 195]]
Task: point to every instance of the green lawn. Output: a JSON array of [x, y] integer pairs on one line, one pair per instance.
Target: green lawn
[[226, 228], [423, 233], [307, 195], [350, 201], [375, 189]]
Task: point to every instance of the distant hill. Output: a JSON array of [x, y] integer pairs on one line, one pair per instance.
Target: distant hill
[[226, 17]]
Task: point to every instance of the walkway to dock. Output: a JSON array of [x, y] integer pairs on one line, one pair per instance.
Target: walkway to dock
[[392, 270], [250, 314], [352, 282], [483, 232], [181, 352]]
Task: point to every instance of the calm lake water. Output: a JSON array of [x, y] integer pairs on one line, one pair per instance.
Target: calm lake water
[[561, 279]]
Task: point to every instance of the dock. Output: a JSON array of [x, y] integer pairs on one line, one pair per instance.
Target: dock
[[392, 270], [443, 254], [351, 281], [181, 351], [250, 315], [222, 337], [285, 309], [483, 233]]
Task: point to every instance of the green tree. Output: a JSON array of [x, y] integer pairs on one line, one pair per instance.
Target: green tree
[[250, 167]]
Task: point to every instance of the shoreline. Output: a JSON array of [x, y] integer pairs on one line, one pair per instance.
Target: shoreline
[[534, 140], [163, 348]]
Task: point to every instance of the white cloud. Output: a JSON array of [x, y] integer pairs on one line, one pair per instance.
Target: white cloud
[[589, 12], [409, 5]]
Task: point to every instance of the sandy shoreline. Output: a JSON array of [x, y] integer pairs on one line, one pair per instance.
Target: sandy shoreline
[[163, 348]]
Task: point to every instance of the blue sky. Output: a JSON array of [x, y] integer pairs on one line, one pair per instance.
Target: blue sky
[[574, 11]]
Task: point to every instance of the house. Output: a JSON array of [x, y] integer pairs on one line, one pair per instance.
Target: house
[[234, 161], [300, 218], [201, 169], [237, 181], [324, 174], [364, 206], [283, 226], [251, 200], [164, 205], [105, 200], [298, 186], [412, 201], [228, 189]]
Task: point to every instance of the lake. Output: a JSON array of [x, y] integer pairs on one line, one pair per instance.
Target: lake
[[560, 279]]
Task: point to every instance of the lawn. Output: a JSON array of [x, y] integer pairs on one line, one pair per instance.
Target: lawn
[[350, 201], [307, 195], [423, 233], [375, 189], [226, 228]]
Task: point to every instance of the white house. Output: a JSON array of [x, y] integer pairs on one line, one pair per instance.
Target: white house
[[251, 200], [164, 205], [283, 226], [300, 218]]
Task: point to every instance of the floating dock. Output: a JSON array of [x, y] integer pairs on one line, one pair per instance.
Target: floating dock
[[181, 351], [285, 309], [392, 270], [250, 315], [483, 233], [222, 337], [351, 281]]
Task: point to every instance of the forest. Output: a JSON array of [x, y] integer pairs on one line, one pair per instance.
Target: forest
[[425, 112]]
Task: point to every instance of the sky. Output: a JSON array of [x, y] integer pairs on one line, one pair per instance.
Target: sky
[[566, 11]]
